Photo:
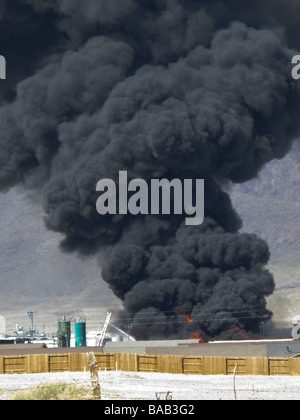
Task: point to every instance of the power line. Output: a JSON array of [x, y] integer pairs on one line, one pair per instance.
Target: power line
[[217, 308], [185, 322], [196, 315]]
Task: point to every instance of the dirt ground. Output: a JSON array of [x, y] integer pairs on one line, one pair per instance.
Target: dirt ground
[[144, 386]]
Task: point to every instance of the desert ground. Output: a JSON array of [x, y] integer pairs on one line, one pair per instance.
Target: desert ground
[[144, 386]]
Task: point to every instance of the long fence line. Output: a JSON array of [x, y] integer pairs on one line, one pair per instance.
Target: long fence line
[[205, 365]]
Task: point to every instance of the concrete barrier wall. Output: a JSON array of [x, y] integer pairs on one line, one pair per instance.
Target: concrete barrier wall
[[193, 365]]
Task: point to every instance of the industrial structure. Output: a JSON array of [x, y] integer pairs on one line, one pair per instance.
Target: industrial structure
[[72, 334], [116, 350]]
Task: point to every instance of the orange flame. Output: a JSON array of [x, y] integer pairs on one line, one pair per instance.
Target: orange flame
[[197, 336], [237, 331], [188, 318], [194, 335]]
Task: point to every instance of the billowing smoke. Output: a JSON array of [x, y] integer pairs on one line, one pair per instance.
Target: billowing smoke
[[161, 89]]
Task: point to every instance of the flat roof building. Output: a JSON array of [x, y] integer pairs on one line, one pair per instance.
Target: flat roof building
[[254, 348]]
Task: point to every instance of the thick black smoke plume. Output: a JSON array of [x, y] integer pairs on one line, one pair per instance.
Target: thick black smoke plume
[[168, 88]]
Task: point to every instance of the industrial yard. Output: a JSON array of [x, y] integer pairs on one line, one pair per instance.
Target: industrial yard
[[188, 370], [144, 386]]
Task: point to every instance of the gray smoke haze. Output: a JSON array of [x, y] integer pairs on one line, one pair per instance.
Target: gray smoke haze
[[168, 88]]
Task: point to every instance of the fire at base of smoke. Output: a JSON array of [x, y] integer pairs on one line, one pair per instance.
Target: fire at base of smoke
[[138, 203]]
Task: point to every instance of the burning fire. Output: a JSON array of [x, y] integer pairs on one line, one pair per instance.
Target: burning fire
[[237, 331], [194, 335], [197, 336], [188, 318]]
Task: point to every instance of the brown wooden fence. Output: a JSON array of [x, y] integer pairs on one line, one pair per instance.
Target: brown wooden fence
[[193, 365]]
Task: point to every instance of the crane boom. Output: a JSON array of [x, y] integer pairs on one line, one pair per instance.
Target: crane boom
[[103, 332]]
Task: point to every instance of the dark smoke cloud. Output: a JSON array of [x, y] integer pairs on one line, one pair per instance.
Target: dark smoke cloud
[[173, 88]]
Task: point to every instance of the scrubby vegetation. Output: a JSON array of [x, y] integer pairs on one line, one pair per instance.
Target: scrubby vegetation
[[54, 391]]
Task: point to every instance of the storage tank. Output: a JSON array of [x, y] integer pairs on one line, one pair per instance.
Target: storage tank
[[64, 333], [80, 334]]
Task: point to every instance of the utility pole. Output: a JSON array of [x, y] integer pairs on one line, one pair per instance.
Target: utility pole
[[262, 330]]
